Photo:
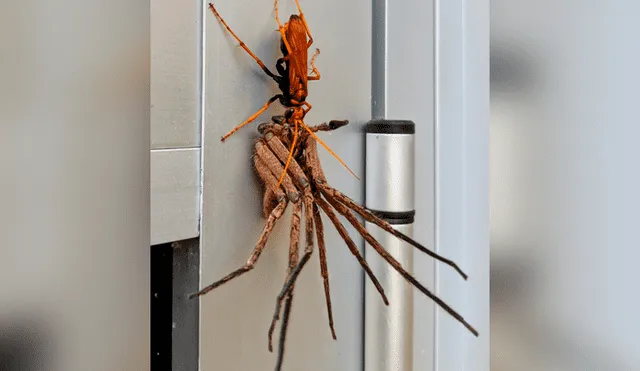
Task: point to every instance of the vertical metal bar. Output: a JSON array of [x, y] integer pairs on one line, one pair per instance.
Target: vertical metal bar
[[389, 182], [379, 60], [402, 86]]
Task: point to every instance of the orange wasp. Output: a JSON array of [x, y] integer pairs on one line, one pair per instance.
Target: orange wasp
[[292, 78]]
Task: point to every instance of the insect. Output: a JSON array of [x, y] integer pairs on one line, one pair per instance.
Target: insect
[[292, 78], [287, 162]]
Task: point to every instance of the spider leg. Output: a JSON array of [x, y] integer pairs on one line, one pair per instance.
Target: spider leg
[[286, 290], [275, 214], [273, 126], [372, 218], [318, 174], [243, 45], [332, 125], [272, 163], [323, 265], [293, 262], [301, 178], [276, 168], [342, 209], [270, 166], [282, 153], [269, 202], [293, 275], [283, 331], [351, 245]]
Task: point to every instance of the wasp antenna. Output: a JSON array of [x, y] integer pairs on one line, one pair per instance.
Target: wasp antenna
[[329, 149]]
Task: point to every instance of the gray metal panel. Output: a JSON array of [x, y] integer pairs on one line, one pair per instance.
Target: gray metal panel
[[175, 94], [236, 316], [407, 92], [175, 194], [389, 329]]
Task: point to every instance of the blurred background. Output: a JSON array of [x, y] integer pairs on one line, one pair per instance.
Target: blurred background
[[74, 185], [564, 185]]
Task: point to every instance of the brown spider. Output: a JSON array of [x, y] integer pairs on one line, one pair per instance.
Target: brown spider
[[305, 186]]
